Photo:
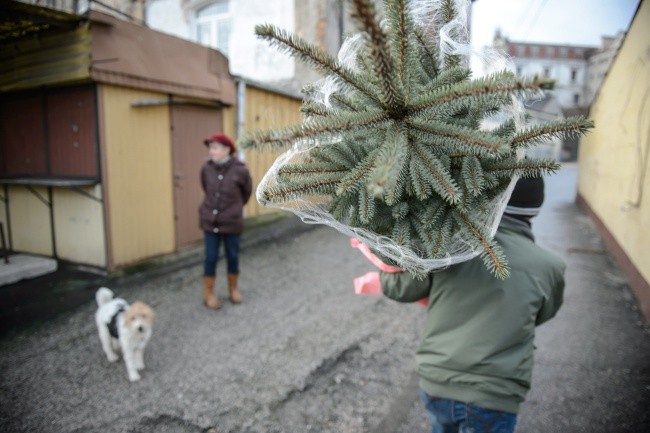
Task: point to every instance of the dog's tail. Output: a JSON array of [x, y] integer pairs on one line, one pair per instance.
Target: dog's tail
[[103, 295]]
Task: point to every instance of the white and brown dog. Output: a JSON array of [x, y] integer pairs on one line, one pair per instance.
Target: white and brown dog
[[123, 328]]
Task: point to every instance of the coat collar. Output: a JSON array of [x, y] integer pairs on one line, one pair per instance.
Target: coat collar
[[222, 164], [507, 222]]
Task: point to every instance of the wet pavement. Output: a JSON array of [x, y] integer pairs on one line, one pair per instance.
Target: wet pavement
[[33, 301], [324, 366]]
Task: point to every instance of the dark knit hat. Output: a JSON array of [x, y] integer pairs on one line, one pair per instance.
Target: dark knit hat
[[222, 138], [527, 197]]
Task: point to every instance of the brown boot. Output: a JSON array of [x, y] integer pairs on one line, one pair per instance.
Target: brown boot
[[209, 299], [233, 290]]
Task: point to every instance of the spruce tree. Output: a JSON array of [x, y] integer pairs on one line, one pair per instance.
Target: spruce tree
[[397, 149]]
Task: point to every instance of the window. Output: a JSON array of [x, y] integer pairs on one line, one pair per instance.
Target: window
[[213, 26], [576, 99], [574, 75], [547, 72]]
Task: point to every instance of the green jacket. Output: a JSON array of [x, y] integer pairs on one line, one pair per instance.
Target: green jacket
[[477, 345]]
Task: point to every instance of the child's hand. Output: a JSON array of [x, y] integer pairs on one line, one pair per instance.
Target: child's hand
[[369, 283]]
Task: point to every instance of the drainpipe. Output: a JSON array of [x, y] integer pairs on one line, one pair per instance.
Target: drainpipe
[[241, 110]]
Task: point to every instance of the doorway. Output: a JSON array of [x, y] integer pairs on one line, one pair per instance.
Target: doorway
[[190, 124]]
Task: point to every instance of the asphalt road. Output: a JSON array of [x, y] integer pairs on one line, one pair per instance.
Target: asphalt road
[[304, 354]]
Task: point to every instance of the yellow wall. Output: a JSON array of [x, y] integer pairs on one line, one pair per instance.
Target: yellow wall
[[230, 121], [79, 225], [614, 160], [3, 214], [266, 110], [31, 230], [136, 151]]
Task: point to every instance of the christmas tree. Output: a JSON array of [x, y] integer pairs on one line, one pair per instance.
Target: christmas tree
[[392, 149]]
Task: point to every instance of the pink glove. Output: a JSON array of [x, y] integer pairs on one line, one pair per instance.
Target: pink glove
[[356, 243], [369, 284]]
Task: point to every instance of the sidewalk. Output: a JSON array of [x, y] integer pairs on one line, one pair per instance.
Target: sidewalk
[[25, 266]]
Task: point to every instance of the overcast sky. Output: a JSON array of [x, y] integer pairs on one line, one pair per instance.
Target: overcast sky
[[571, 22]]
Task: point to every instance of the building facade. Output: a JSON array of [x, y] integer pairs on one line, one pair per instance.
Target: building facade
[[229, 26], [578, 71], [566, 64], [601, 61]]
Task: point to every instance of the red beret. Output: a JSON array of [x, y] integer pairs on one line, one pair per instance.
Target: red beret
[[222, 138]]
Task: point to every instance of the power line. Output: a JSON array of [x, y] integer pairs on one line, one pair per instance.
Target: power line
[[539, 12], [524, 16]]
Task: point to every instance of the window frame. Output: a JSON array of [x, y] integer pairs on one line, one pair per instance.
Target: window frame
[[214, 23]]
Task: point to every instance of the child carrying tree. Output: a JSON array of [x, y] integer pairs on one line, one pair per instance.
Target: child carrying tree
[[395, 151]]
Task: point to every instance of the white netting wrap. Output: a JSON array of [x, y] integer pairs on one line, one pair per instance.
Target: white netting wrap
[[451, 39]]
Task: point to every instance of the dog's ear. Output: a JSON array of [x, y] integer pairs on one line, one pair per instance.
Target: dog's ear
[[139, 309], [129, 316], [150, 313]]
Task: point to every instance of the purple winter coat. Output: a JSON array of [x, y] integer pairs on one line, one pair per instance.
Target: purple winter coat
[[227, 188]]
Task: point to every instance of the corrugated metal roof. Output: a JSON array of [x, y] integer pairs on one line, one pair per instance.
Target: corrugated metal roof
[[19, 20], [49, 59]]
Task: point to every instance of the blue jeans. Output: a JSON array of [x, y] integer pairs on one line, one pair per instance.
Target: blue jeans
[[451, 416], [212, 242]]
